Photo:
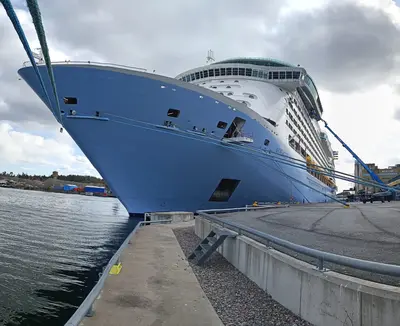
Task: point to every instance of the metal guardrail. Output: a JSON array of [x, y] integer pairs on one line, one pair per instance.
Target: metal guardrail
[[322, 256], [95, 63], [246, 208], [86, 307]]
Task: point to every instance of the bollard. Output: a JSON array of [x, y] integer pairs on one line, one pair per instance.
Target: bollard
[[90, 312]]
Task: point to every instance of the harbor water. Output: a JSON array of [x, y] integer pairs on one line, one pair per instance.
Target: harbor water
[[52, 249]]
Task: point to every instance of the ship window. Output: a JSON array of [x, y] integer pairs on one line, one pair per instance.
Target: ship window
[[230, 93], [222, 125], [251, 96], [241, 71], [255, 73], [275, 75], [248, 72], [201, 74], [216, 73], [224, 190], [296, 74], [97, 113], [228, 71], [70, 100], [260, 74], [266, 142], [265, 75], [221, 81], [222, 71], [205, 73], [289, 75], [192, 77], [173, 113], [272, 122], [211, 73], [197, 75], [235, 71], [228, 86], [236, 81], [282, 75], [235, 128], [270, 75]]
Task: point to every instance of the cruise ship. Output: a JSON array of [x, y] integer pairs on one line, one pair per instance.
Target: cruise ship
[[212, 137]]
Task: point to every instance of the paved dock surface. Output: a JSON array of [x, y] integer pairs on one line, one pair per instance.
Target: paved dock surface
[[365, 231], [156, 286]]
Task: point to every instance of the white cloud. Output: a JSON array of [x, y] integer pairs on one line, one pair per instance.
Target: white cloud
[[365, 122], [24, 150]]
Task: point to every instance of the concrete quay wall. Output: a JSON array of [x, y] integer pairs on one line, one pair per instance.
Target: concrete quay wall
[[322, 298]]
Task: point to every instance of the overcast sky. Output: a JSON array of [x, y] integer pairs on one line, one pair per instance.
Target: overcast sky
[[350, 48]]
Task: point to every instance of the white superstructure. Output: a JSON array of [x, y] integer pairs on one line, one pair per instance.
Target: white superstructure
[[283, 94]]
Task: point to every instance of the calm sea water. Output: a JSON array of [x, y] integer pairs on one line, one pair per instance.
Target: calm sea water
[[52, 248]]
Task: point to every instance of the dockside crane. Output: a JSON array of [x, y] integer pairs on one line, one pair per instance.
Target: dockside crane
[[374, 176]]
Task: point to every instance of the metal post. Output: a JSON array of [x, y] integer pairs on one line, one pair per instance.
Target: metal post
[[90, 312], [320, 264]]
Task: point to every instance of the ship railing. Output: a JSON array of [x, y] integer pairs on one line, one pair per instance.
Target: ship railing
[[245, 134], [94, 63], [86, 307], [321, 256]]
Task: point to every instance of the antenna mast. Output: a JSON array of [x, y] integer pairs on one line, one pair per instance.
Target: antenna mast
[[210, 56]]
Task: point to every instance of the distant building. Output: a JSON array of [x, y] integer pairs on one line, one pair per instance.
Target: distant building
[[52, 183], [385, 174], [54, 175]]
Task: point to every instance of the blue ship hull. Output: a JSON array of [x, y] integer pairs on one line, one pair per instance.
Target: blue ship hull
[[119, 124]]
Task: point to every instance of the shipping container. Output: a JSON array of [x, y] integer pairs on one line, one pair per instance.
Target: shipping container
[[95, 189]]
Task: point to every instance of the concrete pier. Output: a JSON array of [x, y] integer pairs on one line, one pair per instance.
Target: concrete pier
[[364, 231], [156, 286], [323, 298]]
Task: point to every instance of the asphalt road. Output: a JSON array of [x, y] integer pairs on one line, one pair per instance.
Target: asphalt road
[[364, 231]]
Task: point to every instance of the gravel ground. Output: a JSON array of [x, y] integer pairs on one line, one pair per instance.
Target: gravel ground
[[237, 300]]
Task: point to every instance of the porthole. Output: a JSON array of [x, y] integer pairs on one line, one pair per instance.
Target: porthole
[[70, 100], [173, 113], [222, 125]]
